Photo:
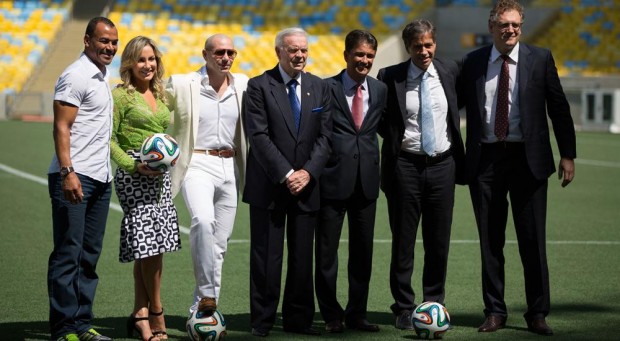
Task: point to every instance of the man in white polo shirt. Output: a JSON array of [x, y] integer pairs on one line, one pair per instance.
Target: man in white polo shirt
[[79, 180]]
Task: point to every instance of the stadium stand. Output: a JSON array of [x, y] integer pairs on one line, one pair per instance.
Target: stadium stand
[[27, 27], [583, 36], [181, 26]]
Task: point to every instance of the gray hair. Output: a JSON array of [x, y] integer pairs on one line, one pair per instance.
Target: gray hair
[[291, 31]]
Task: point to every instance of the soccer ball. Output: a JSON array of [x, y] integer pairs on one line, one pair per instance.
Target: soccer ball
[[430, 320], [160, 152], [206, 328]]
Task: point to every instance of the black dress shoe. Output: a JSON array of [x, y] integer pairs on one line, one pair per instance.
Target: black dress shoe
[[334, 326], [403, 320], [539, 326], [492, 324], [260, 332], [305, 331], [363, 325]]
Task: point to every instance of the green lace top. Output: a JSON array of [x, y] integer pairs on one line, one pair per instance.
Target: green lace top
[[134, 121]]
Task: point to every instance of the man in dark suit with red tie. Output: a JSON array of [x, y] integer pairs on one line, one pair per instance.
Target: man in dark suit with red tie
[[350, 185], [509, 89], [422, 158], [288, 124]]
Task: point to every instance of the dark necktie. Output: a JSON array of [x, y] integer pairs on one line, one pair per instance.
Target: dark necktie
[[501, 109], [426, 113], [357, 107], [295, 106]]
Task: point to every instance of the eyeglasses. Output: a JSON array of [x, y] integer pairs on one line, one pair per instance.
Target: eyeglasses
[[506, 25], [222, 52]]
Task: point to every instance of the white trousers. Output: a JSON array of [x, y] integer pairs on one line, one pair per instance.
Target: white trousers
[[210, 193]]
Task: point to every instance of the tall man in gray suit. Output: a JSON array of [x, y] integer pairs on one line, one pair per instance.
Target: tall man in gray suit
[[509, 88], [350, 184], [422, 157], [288, 124]]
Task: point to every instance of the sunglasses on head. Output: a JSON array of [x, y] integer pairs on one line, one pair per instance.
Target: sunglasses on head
[[222, 52]]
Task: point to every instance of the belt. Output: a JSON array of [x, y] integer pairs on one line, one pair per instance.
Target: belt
[[424, 159], [504, 145], [225, 153]]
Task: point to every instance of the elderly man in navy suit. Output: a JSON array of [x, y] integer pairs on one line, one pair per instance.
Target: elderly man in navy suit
[[422, 159], [350, 185], [509, 89], [288, 124]]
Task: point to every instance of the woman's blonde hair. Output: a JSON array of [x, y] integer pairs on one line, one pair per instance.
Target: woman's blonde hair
[[131, 55]]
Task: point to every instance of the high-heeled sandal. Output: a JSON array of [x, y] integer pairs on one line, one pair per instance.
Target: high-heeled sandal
[[131, 327], [160, 333]]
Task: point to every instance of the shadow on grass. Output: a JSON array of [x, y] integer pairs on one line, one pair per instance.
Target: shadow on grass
[[238, 325], [115, 327]]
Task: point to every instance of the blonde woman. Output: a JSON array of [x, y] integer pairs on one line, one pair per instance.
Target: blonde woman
[[150, 226]]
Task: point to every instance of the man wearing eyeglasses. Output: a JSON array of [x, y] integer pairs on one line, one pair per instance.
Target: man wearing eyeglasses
[[288, 123], [208, 128], [509, 89]]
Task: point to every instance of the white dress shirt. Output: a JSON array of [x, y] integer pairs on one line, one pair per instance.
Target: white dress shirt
[[412, 137], [490, 90], [218, 116]]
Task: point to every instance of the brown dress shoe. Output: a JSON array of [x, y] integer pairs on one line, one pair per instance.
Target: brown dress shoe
[[207, 306], [363, 325], [492, 324], [334, 326], [539, 326]]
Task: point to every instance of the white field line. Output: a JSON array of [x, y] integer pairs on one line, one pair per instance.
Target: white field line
[[185, 230]]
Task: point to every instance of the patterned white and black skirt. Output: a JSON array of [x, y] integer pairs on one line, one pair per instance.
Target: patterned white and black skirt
[[150, 224]]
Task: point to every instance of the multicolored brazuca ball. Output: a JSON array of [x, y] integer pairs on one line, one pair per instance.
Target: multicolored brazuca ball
[[430, 320], [160, 152], [206, 328]]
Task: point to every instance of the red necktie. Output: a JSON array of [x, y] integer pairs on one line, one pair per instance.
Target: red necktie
[[501, 109], [357, 107]]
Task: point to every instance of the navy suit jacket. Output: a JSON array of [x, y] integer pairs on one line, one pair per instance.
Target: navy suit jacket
[[353, 150], [540, 94], [276, 147], [392, 128]]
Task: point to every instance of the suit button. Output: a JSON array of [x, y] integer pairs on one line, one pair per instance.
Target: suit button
[[355, 156]]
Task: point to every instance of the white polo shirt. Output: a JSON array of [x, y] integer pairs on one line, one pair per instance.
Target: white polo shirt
[[82, 84]]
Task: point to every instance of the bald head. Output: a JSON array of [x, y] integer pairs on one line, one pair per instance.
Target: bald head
[[216, 39]]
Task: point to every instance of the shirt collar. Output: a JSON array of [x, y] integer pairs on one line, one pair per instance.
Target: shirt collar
[[93, 69], [495, 54], [349, 83], [204, 77], [286, 78], [415, 72]]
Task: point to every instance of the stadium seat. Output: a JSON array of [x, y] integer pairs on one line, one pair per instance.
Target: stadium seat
[[180, 27], [27, 28], [592, 27]]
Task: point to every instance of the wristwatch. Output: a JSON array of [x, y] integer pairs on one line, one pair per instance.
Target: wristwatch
[[64, 171]]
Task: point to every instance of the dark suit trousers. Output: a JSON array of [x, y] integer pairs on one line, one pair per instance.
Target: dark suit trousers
[[267, 229], [361, 218], [504, 171], [421, 192]]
